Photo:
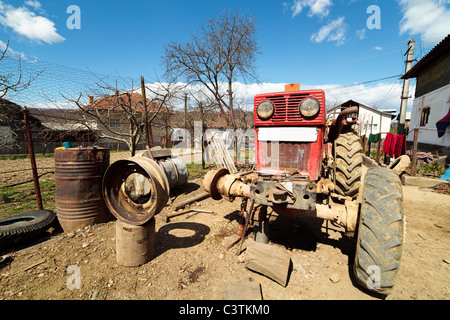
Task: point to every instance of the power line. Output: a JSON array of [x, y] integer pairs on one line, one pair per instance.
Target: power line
[[356, 57], [365, 82]]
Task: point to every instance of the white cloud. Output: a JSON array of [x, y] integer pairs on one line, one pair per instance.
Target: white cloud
[[26, 23], [428, 18], [378, 48], [35, 4], [384, 95], [361, 34], [319, 8], [334, 31]]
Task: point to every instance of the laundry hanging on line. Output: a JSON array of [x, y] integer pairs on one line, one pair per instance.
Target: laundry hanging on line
[[373, 138], [442, 124], [394, 145]]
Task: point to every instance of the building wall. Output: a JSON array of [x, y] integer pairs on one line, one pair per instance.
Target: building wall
[[435, 75], [439, 103]]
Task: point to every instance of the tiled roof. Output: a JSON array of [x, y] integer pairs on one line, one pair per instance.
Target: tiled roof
[[115, 102], [439, 49]]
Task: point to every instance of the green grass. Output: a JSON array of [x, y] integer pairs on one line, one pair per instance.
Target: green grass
[[18, 199], [24, 156], [196, 170]]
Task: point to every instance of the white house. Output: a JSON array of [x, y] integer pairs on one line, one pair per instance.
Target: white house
[[432, 98], [370, 120]]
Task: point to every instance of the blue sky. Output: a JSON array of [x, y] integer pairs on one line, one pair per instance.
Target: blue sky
[[319, 43]]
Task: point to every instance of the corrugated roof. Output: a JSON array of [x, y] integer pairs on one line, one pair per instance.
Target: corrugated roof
[[440, 48]]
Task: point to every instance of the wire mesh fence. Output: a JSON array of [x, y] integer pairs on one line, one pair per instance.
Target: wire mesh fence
[[49, 91]]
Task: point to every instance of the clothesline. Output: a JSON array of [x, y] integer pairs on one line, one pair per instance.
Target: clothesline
[[426, 129]]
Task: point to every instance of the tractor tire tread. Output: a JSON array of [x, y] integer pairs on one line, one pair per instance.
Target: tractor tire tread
[[381, 229]]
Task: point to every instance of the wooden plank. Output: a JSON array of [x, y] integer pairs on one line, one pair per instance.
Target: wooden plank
[[243, 291], [230, 241], [221, 156], [271, 261]]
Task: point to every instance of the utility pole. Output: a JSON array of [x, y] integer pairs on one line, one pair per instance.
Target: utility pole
[[144, 104], [185, 110], [185, 119], [405, 91]]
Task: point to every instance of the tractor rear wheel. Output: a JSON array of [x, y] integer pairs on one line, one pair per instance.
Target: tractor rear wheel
[[348, 164], [380, 232]]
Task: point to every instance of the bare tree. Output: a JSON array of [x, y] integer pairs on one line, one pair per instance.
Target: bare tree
[[13, 81], [120, 115], [221, 51], [11, 117]]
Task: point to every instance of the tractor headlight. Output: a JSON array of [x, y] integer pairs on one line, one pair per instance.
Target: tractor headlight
[[265, 110], [309, 107]]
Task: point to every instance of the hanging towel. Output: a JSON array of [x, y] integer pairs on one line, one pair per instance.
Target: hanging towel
[[399, 145], [387, 145], [373, 138], [394, 145], [442, 124]]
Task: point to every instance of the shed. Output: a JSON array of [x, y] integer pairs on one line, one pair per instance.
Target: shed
[[370, 120]]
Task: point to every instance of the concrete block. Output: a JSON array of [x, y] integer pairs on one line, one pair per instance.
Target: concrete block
[[421, 182]]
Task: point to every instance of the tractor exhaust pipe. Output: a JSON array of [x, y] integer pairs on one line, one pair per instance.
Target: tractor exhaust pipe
[[337, 125]]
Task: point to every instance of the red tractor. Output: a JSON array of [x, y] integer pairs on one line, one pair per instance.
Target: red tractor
[[308, 166]]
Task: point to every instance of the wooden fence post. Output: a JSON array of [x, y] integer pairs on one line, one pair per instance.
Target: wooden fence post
[[414, 161], [37, 187]]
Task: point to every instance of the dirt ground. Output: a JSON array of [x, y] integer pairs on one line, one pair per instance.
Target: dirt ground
[[191, 264]]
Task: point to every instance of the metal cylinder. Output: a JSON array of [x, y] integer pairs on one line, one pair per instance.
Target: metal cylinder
[[78, 187], [174, 167], [135, 189], [176, 171], [135, 245]]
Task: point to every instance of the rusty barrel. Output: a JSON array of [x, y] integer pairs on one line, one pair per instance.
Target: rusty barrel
[[78, 187]]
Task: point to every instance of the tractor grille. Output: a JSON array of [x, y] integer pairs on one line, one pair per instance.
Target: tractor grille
[[287, 107]]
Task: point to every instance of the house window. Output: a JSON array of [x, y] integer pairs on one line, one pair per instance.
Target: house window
[[424, 116], [114, 123], [375, 127]]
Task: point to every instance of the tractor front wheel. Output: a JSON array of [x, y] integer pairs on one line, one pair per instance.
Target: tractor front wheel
[[348, 160], [381, 231]]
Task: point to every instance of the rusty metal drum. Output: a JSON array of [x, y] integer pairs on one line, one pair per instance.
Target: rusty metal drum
[[78, 187]]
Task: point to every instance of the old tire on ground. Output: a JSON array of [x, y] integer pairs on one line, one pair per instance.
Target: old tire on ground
[[381, 230], [23, 226], [400, 164], [348, 164]]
